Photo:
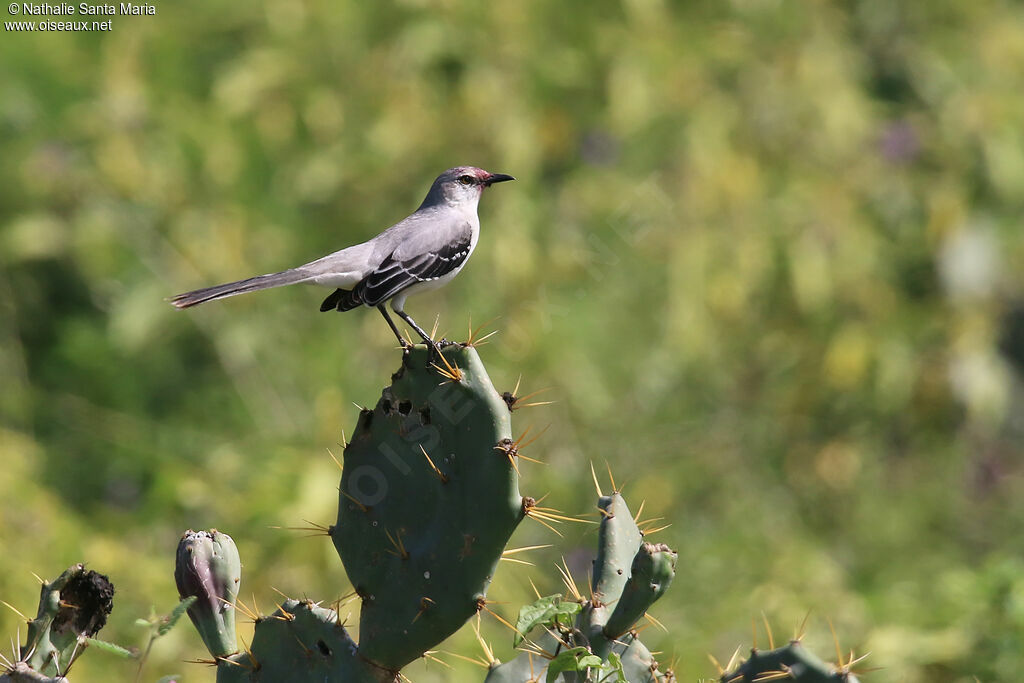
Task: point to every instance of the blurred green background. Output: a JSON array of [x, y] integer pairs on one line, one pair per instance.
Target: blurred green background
[[766, 255]]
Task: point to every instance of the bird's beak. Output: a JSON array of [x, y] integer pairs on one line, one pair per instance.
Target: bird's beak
[[497, 178]]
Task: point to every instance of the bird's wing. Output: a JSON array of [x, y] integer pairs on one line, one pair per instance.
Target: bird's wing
[[423, 258]]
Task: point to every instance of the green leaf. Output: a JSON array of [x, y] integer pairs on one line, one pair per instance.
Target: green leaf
[[614, 666], [112, 648], [173, 678], [544, 612], [175, 614], [576, 659]]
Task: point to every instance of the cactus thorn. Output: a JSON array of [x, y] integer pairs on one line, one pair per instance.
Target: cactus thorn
[[557, 515], [285, 615], [567, 579], [651, 618], [768, 630], [314, 529], [532, 404], [774, 675], [211, 662], [835, 639], [856, 660], [517, 561], [799, 632], [364, 508], [425, 604], [534, 587], [15, 610], [639, 511], [649, 531], [440, 475], [241, 607], [488, 651], [507, 447], [593, 474], [482, 604], [615, 489], [396, 541], [525, 548], [256, 607], [429, 655], [472, 660], [512, 551], [716, 664], [248, 651], [452, 372], [335, 459], [473, 339], [518, 443], [635, 632], [279, 592], [528, 512], [515, 402]]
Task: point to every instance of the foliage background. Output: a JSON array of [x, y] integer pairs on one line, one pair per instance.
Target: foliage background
[[766, 254]]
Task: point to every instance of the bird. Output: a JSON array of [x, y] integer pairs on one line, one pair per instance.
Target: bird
[[424, 251]]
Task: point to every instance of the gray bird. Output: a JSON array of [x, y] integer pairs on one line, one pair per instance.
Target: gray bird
[[420, 253]]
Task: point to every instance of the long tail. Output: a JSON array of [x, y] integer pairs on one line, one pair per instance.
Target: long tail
[[199, 296]]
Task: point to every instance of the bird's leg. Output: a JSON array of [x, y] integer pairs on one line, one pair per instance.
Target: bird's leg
[[391, 323], [426, 337]]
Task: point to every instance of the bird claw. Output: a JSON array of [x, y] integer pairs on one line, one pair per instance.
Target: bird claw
[[434, 349]]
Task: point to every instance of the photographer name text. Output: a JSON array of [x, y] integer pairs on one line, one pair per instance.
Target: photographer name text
[[85, 8]]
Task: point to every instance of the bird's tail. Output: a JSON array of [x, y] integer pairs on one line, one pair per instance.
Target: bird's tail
[[199, 296]]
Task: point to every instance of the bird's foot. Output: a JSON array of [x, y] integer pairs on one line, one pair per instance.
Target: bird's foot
[[435, 349]]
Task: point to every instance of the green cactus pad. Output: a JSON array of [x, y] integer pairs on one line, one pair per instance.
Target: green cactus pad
[[301, 641], [652, 571], [428, 500], [792, 662], [629, 576]]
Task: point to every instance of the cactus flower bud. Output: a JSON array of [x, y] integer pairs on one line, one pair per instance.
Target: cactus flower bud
[[208, 568]]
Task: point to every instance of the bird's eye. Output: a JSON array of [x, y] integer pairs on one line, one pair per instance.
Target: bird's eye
[[466, 179]]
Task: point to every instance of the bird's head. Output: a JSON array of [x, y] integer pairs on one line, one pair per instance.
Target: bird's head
[[462, 185]]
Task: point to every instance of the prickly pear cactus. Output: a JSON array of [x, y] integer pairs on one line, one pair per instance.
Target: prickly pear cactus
[[300, 641], [429, 497], [428, 501], [629, 576], [72, 608], [792, 662]]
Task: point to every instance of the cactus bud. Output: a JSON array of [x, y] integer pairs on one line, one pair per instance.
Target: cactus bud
[[208, 568]]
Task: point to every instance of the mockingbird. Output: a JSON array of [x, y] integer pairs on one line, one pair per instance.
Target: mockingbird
[[417, 254]]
